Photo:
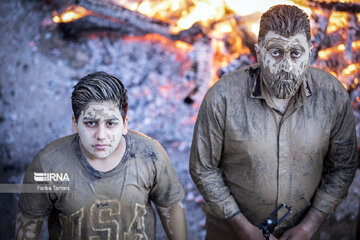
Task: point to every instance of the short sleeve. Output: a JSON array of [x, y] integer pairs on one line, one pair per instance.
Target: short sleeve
[[34, 205], [166, 190]]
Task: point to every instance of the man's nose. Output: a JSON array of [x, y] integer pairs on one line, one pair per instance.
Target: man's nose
[[100, 133], [286, 64]]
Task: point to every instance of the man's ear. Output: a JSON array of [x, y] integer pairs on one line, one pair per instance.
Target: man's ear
[[257, 50], [74, 124], [125, 130]]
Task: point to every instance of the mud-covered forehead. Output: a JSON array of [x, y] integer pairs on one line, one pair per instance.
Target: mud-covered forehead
[[101, 110], [99, 86], [275, 40]]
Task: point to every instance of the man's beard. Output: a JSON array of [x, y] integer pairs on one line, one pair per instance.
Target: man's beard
[[283, 85]]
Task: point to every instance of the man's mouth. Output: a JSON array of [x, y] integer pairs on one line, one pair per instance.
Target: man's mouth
[[284, 76]]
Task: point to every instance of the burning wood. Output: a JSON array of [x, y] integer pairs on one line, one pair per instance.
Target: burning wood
[[202, 66], [335, 6], [221, 40]]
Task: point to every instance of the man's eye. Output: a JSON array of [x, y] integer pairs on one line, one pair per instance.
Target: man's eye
[[296, 54], [276, 53]]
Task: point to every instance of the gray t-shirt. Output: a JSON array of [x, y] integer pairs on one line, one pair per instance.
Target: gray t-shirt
[[103, 205]]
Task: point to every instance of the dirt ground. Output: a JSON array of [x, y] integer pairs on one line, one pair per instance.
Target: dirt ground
[[38, 69]]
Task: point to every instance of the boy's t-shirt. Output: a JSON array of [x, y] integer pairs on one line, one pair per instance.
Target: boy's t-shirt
[[102, 205]]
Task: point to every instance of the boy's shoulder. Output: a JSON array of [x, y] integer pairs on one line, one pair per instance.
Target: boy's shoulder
[[145, 146], [57, 153]]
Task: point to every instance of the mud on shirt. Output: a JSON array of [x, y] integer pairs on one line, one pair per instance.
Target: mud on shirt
[[103, 205]]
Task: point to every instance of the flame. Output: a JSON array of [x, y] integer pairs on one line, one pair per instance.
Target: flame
[[351, 69], [71, 13], [350, 76], [224, 21], [337, 20], [324, 54], [185, 47]]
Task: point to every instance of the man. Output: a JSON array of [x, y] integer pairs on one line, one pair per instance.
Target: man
[[276, 132], [112, 174]]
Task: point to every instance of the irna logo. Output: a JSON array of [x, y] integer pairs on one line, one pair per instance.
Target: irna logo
[[51, 177]]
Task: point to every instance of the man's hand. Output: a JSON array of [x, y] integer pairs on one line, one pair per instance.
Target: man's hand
[[307, 228], [245, 230], [296, 233]]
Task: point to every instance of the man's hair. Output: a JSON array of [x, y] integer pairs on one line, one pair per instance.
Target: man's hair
[[285, 20], [99, 87]]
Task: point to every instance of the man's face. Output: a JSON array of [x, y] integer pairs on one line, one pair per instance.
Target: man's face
[[100, 127], [283, 62]]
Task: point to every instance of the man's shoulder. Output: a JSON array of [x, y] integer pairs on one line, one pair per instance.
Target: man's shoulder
[[237, 82], [238, 76], [322, 80]]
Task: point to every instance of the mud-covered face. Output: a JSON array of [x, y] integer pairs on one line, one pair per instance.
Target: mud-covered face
[[100, 127], [283, 62]]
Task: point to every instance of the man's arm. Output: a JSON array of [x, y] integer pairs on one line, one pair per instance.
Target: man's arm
[[173, 221], [307, 227], [205, 155], [341, 162], [26, 228], [244, 229], [338, 172]]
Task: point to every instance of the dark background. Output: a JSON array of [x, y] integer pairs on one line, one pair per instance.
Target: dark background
[[39, 67]]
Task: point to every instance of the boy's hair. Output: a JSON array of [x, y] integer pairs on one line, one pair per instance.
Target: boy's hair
[[285, 20], [99, 87]]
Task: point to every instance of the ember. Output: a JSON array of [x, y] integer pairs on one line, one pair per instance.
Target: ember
[[218, 36], [231, 26]]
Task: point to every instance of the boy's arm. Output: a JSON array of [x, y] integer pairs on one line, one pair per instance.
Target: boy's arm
[[173, 221], [27, 228]]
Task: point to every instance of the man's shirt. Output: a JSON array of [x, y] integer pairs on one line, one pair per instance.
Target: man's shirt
[[247, 156], [103, 205]]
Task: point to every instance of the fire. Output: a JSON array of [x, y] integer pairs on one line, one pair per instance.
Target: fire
[[71, 13], [351, 69], [185, 47], [350, 76], [224, 22], [337, 20], [324, 54]]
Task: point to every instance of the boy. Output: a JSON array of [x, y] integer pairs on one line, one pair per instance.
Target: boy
[[111, 172]]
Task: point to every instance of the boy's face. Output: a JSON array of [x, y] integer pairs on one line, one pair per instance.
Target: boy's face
[[283, 62], [100, 127]]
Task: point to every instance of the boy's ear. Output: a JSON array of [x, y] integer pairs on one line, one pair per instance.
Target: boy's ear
[[74, 124], [125, 130]]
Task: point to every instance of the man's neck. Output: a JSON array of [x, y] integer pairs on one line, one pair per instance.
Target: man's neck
[[281, 104]]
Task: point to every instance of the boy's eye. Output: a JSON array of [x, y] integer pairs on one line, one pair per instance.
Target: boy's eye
[[111, 124], [90, 123]]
